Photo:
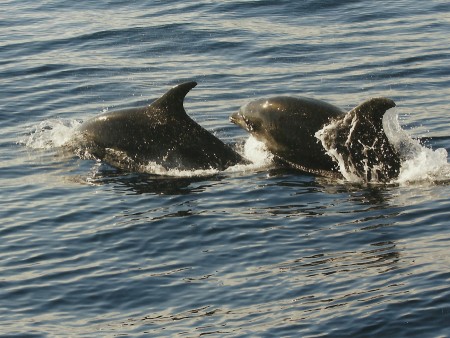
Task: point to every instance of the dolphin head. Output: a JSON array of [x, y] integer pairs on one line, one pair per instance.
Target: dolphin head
[[248, 118], [259, 117], [286, 124]]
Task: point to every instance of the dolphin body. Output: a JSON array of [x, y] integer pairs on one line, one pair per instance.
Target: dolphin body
[[354, 141], [160, 133]]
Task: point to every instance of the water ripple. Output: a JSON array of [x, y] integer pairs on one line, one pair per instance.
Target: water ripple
[[259, 251]]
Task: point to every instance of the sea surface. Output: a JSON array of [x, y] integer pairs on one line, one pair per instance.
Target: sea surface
[[87, 250]]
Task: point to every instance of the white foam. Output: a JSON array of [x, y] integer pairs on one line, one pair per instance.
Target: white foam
[[348, 172], [419, 163], [256, 151], [157, 169], [50, 134]]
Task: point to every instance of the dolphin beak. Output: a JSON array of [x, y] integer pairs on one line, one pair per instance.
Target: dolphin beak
[[234, 118], [239, 119]]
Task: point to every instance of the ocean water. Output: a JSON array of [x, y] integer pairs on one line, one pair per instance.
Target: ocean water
[[87, 250]]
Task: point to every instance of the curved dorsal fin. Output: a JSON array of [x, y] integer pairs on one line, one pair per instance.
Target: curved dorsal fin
[[373, 109], [173, 99]]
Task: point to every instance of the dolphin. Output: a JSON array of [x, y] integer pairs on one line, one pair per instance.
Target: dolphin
[[317, 137], [160, 133], [287, 126]]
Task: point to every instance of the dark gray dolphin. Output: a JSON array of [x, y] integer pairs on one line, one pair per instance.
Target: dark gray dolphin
[[161, 133], [290, 128], [287, 126]]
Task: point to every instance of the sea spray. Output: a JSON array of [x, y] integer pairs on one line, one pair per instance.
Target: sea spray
[[419, 163], [256, 151], [357, 142], [50, 134]]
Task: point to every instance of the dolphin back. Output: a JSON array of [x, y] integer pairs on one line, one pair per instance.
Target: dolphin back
[[161, 133], [173, 100]]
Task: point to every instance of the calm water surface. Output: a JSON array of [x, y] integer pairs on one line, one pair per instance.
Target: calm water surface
[[257, 251]]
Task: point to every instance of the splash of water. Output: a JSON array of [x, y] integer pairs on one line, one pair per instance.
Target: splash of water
[[347, 168], [418, 163], [158, 169], [257, 152], [50, 134]]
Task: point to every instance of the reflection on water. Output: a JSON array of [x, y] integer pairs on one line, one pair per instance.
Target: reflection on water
[[147, 183], [250, 252], [383, 258], [310, 289]]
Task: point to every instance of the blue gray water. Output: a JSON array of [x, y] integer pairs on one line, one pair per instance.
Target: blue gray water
[[86, 250]]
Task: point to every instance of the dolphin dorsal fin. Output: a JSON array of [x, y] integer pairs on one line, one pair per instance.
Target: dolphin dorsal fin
[[172, 100], [373, 109]]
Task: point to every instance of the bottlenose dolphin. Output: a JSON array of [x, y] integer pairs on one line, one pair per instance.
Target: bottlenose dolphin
[[291, 127], [160, 133], [287, 126]]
